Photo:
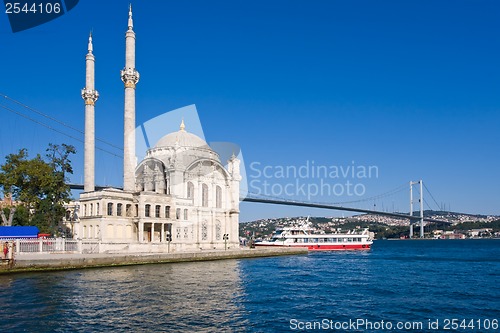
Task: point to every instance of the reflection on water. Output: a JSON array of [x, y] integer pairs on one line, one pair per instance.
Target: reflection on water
[[199, 297], [395, 281]]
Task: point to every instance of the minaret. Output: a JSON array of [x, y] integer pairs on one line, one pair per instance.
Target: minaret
[[234, 214], [130, 77], [90, 96]]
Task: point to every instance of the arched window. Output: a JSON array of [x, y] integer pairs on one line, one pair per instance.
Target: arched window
[[178, 213], [190, 190], [97, 208], [85, 210], [185, 214], [91, 209], [119, 209], [167, 212], [110, 208], [157, 210], [204, 195], [218, 197], [128, 209], [147, 210], [110, 231]]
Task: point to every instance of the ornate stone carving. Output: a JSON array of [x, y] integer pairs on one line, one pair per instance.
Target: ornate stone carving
[[218, 229], [204, 230], [130, 77], [89, 96]]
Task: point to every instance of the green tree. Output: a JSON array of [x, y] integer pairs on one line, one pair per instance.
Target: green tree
[[40, 185], [22, 216]]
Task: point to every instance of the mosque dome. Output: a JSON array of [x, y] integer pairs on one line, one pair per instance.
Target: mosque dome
[[182, 138]]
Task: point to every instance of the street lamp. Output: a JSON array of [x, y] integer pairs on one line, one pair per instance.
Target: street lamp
[[225, 238]]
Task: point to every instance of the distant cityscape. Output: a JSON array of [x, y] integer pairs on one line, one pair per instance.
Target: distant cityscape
[[453, 218], [461, 226]]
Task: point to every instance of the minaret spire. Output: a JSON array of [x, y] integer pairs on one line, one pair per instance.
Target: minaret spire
[[90, 96], [130, 77], [90, 43], [130, 21]]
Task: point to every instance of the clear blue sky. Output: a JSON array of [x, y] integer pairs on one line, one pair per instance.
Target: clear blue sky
[[411, 87]]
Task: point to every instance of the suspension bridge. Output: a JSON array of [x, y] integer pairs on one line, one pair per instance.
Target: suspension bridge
[[414, 219], [41, 119]]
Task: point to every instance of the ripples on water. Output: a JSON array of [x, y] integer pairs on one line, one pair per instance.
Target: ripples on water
[[395, 281], [181, 297]]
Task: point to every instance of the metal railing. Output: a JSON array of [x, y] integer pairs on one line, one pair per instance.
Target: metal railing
[[89, 246], [48, 245]]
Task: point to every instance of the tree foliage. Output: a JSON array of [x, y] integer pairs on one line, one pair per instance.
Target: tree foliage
[[39, 184]]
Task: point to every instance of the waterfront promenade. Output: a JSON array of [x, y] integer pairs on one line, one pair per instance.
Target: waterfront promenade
[[61, 261]]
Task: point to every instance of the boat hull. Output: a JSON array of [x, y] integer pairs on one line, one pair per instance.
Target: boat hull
[[324, 247]]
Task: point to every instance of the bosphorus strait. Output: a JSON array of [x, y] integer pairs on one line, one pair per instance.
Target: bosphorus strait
[[397, 282]]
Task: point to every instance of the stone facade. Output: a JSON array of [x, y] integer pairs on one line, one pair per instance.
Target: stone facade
[[184, 198]]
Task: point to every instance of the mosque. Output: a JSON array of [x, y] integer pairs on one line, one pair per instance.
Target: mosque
[[180, 197]]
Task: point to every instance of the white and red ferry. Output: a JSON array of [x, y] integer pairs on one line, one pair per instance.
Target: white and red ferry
[[304, 235]]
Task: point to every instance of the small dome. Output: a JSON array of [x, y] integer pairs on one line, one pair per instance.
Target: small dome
[[182, 138]]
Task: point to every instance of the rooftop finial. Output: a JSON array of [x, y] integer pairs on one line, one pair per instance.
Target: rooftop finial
[[183, 127], [90, 42], [130, 22]]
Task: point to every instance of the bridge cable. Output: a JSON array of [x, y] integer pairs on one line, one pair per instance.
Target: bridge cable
[[382, 195], [55, 130], [428, 206], [439, 207], [378, 196], [56, 120]]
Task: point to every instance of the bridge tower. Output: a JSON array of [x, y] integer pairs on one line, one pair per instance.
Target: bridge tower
[[421, 200]]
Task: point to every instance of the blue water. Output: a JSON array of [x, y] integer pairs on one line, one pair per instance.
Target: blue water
[[407, 282]]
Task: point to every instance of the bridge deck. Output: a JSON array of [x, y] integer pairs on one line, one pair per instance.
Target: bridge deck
[[309, 204]]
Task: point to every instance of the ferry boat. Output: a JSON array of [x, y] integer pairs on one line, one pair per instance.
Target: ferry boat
[[303, 235]]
